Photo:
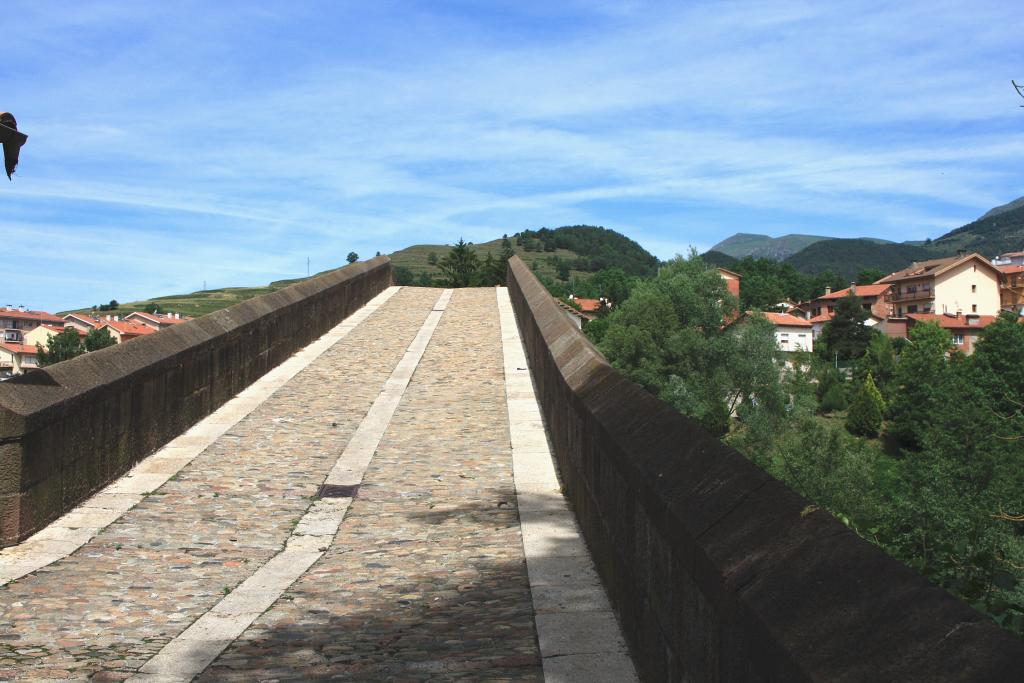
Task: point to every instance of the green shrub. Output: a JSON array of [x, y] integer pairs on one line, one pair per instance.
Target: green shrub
[[865, 415]]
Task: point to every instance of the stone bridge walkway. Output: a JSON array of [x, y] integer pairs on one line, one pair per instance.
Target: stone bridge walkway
[[367, 511]]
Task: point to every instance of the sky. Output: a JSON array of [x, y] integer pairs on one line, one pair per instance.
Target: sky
[[177, 144]]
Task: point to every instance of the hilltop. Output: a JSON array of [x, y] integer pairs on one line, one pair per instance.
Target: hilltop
[[999, 230], [580, 250], [762, 246]]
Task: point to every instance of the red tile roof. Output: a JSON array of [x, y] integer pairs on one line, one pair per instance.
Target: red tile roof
[[126, 327], [786, 319], [588, 305], [60, 328], [1008, 269], [862, 290], [954, 322], [41, 316], [823, 318], [160, 318], [18, 348], [82, 317]]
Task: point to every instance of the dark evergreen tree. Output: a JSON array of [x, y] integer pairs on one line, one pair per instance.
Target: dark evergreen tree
[[459, 266], [864, 417], [845, 335]]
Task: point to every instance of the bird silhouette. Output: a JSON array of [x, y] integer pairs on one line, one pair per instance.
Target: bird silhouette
[[12, 141]]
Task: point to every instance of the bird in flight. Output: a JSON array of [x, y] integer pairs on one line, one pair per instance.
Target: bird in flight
[[12, 141]]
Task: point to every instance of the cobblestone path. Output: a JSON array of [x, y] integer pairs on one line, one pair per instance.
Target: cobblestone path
[[424, 580]]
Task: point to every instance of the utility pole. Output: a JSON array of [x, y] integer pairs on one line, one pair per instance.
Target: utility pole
[[307, 266]]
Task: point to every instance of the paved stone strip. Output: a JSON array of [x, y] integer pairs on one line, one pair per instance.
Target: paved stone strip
[[108, 608], [580, 638], [76, 528], [198, 645], [425, 580]]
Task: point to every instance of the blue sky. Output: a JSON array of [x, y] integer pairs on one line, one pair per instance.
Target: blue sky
[[176, 143]]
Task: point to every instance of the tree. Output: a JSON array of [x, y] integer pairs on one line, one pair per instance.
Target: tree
[[459, 266], [670, 336], [917, 381], [432, 258], [865, 415], [352, 257], [62, 346], [845, 335], [98, 339], [879, 361]]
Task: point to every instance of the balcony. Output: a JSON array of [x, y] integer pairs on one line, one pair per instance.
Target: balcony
[[916, 294]]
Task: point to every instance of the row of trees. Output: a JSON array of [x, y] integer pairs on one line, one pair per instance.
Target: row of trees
[[943, 491]]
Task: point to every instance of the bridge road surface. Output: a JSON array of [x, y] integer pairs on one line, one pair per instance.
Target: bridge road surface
[[359, 520]]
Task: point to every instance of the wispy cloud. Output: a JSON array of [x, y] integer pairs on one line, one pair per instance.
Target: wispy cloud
[[227, 142]]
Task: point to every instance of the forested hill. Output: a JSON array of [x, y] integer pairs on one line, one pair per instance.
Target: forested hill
[[604, 248], [847, 257], [992, 234]]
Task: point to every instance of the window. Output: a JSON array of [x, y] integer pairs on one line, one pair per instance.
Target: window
[[974, 288], [912, 308], [974, 308], [958, 339]]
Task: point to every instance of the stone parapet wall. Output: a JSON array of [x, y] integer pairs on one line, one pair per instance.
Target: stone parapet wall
[[717, 571], [69, 429]]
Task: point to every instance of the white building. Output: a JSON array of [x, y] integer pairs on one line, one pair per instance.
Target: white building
[[791, 333]]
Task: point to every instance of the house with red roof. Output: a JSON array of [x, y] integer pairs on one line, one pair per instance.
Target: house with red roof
[[158, 321], [82, 321], [792, 333], [41, 335], [125, 330], [16, 322], [732, 281], [16, 358], [1011, 287], [965, 328], [955, 285]]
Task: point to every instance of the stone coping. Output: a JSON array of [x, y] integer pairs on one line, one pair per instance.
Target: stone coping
[[717, 570]]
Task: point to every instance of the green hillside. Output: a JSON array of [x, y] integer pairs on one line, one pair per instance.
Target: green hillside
[[762, 246], [196, 303], [992, 234], [847, 257], [1003, 208], [583, 249]]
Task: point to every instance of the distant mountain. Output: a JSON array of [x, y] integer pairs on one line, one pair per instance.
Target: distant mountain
[[1003, 208], [990, 235], [762, 246], [847, 257]]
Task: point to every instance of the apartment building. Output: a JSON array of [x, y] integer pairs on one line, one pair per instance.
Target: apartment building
[[15, 322], [16, 358], [959, 284]]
